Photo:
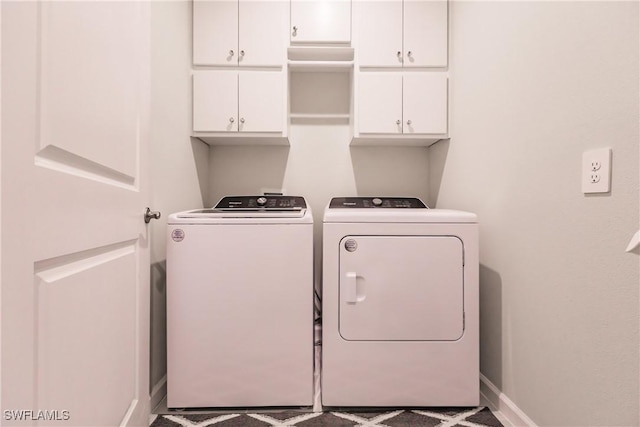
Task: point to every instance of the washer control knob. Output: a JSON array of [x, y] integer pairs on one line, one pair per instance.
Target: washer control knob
[[377, 201], [261, 201]]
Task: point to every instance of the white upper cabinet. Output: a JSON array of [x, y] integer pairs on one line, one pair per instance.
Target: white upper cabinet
[[425, 33], [215, 101], [320, 21], [260, 102], [239, 32], [403, 33], [402, 103], [380, 33], [380, 103], [424, 101], [238, 101]]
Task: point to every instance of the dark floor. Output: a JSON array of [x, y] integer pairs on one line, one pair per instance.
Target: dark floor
[[428, 417]]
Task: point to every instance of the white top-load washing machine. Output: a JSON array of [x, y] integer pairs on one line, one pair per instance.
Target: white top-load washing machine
[[400, 304], [240, 304]]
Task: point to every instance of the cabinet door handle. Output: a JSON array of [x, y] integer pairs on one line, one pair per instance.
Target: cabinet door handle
[[231, 120], [399, 54], [242, 53], [295, 30], [231, 53], [398, 122], [242, 120], [409, 54], [408, 122]]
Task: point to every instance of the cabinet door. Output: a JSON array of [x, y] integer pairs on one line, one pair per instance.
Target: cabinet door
[[380, 33], [261, 100], [425, 33], [380, 103], [262, 32], [321, 21], [215, 101], [215, 32], [425, 103]]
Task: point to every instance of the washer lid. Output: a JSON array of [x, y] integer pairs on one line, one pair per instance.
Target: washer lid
[[261, 204], [390, 210], [247, 209], [376, 203]]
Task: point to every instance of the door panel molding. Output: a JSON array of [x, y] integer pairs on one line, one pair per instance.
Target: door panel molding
[[63, 161]]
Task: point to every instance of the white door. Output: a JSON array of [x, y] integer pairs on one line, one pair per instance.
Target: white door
[[262, 32], [380, 102], [75, 264], [425, 103], [320, 21], [261, 101], [215, 32], [401, 288], [425, 33], [215, 101], [380, 31]]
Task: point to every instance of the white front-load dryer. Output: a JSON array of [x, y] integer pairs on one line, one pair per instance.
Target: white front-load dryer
[[400, 304], [240, 304]]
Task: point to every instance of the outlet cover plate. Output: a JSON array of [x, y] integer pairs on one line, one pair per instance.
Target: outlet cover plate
[[596, 179]]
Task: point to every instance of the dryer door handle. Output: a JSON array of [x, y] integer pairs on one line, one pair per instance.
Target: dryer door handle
[[350, 282]]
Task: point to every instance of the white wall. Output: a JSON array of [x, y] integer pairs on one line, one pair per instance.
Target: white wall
[[178, 165], [534, 85]]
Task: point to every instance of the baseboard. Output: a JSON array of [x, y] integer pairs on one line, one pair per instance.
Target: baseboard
[[137, 414], [507, 411], [158, 392]]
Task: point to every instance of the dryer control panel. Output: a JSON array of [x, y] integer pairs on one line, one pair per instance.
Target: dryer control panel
[[260, 203], [377, 202]]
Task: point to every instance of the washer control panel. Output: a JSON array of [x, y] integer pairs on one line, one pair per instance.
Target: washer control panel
[[377, 202], [261, 203]]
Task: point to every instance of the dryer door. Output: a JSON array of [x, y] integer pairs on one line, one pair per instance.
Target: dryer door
[[401, 288]]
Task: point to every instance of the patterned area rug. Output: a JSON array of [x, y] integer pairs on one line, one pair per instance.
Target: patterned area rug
[[428, 417]]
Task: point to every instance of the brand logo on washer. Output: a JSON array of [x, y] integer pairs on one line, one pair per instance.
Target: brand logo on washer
[[177, 235], [351, 245]]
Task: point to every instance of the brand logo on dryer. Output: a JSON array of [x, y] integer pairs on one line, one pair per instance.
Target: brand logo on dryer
[[351, 245]]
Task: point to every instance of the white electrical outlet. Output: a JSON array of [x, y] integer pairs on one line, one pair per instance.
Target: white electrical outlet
[[596, 171]]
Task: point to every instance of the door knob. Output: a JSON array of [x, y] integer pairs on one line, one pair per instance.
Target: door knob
[[295, 30], [149, 215]]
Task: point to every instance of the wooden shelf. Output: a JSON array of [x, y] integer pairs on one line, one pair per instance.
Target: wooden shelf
[[321, 53], [319, 116], [320, 58], [320, 66], [298, 118]]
